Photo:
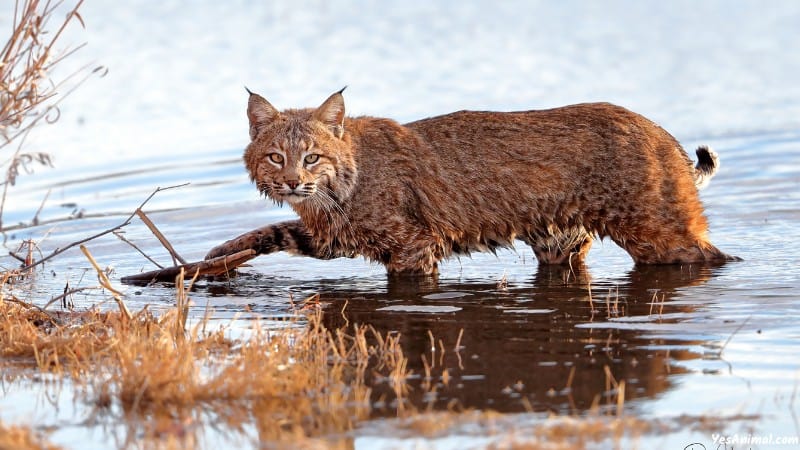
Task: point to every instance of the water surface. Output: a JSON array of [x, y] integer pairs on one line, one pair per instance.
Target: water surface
[[688, 340]]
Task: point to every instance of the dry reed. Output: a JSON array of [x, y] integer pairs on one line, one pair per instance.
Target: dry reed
[[303, 385], [15, 437], [299, 382], [28, 93]]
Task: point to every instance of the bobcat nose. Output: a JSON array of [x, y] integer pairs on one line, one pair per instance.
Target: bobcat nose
[[293, 184]]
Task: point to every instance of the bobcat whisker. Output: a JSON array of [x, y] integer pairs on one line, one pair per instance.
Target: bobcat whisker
[[264, 189], [325, 197], [308, 190]]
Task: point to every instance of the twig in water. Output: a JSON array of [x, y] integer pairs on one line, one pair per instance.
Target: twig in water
[[182, 300], [212, 267], [346, 320], [35, 220], [176, 258], [29, 246], [727, 341], [570, 378], [433, 348], [68, 293], [118, 234], [125, 223], [457, 349]]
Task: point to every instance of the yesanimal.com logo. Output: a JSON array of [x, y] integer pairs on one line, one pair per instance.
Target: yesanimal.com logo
[[731, 441]]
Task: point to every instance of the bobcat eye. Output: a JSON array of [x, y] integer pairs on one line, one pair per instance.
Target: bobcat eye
[[311, 159], [277, 158]]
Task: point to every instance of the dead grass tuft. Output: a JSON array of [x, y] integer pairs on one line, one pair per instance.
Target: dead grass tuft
[[14, 437], [302, 381]]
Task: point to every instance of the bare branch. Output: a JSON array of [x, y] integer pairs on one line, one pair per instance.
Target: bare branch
[[125, 223], [118, 234], [175, 256], [212, 267], [68, 293]]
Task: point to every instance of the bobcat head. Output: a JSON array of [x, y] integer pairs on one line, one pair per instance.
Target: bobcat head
[[300, 155]]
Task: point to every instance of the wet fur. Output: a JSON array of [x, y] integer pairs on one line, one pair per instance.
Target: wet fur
[[410, 195]]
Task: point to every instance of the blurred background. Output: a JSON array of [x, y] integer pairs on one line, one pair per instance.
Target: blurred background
[[177, 69]]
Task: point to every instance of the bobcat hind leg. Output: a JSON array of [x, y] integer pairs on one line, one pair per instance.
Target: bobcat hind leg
[[686, 252], [677, 237]]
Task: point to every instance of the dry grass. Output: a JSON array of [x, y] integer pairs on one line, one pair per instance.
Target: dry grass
[[28, 93], [298, 386], [14, 437], [577, 433], [299, 382]]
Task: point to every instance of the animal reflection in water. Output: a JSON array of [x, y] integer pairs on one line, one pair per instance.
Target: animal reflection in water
[[532, 341]]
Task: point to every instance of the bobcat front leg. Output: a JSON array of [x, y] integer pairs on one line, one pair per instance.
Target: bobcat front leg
[[291, 236]]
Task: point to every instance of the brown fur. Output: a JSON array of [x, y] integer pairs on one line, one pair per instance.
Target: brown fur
[[411, 195]]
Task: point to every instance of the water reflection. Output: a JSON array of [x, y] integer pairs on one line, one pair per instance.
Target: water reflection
[[521, 347]]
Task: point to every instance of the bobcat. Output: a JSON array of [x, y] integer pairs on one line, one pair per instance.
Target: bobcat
[[411, 195]]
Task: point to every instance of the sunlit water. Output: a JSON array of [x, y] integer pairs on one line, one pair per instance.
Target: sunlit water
[[688, 341]]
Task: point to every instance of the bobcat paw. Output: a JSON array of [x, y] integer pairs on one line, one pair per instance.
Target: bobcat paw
[[220, 250], [243, 242]]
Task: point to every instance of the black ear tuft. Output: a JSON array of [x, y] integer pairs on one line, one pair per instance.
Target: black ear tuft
[[260, 113], [331, 113]]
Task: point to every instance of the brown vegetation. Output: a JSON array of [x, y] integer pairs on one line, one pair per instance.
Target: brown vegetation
[[302, 381], [28, 94], [14, 437], [168, 378]]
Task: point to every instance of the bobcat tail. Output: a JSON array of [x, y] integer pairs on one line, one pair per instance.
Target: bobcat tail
[[706, 167]]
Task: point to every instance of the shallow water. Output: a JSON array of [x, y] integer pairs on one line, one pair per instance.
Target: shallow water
[[687, 341]]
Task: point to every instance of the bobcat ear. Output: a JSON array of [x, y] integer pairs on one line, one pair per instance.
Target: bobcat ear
[[260, 113], [331, 113]]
